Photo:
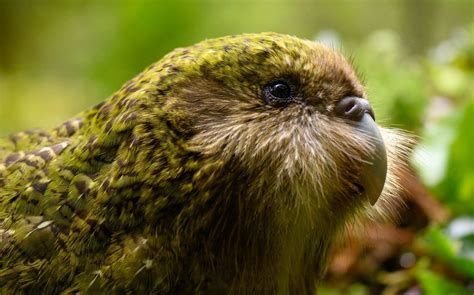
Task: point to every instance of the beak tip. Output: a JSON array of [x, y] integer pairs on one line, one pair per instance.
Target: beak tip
[[375, 172]]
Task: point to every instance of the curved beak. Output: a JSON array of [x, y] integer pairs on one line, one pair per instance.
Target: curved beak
[[374, 170]]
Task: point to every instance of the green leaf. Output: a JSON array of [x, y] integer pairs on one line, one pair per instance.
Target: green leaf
[[457, 188], [434, 284], [451, 250]]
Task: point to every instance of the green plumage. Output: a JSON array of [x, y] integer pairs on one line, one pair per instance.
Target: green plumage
[[182, 181], [82, 206]]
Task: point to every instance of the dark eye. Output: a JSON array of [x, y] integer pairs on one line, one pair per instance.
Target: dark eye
[[277, 92]]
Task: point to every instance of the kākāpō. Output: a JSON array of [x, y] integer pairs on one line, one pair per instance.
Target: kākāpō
[[231, 166]]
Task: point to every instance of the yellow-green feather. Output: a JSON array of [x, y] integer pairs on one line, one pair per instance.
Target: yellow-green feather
[[119, 199]]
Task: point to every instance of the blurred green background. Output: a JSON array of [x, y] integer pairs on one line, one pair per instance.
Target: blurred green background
[[417, 58], [59, 57]]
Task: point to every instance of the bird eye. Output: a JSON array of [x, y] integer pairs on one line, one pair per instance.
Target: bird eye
[[277, 92]]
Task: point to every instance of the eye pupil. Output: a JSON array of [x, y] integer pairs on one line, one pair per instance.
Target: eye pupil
[[280, 90], [278, 93]]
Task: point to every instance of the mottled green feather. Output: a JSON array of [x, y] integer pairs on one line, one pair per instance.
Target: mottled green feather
[[143, 193]]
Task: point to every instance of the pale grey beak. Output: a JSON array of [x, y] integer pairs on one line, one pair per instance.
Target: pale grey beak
[[374, 170]]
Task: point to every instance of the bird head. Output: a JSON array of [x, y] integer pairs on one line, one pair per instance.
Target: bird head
[[278, 119]]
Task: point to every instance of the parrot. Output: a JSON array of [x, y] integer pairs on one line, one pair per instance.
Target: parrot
[[232, 166]]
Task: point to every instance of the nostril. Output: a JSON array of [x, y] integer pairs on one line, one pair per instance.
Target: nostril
[[350, 108], [353, 108]]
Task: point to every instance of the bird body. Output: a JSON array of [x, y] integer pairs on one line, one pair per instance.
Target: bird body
[[225, 167]]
